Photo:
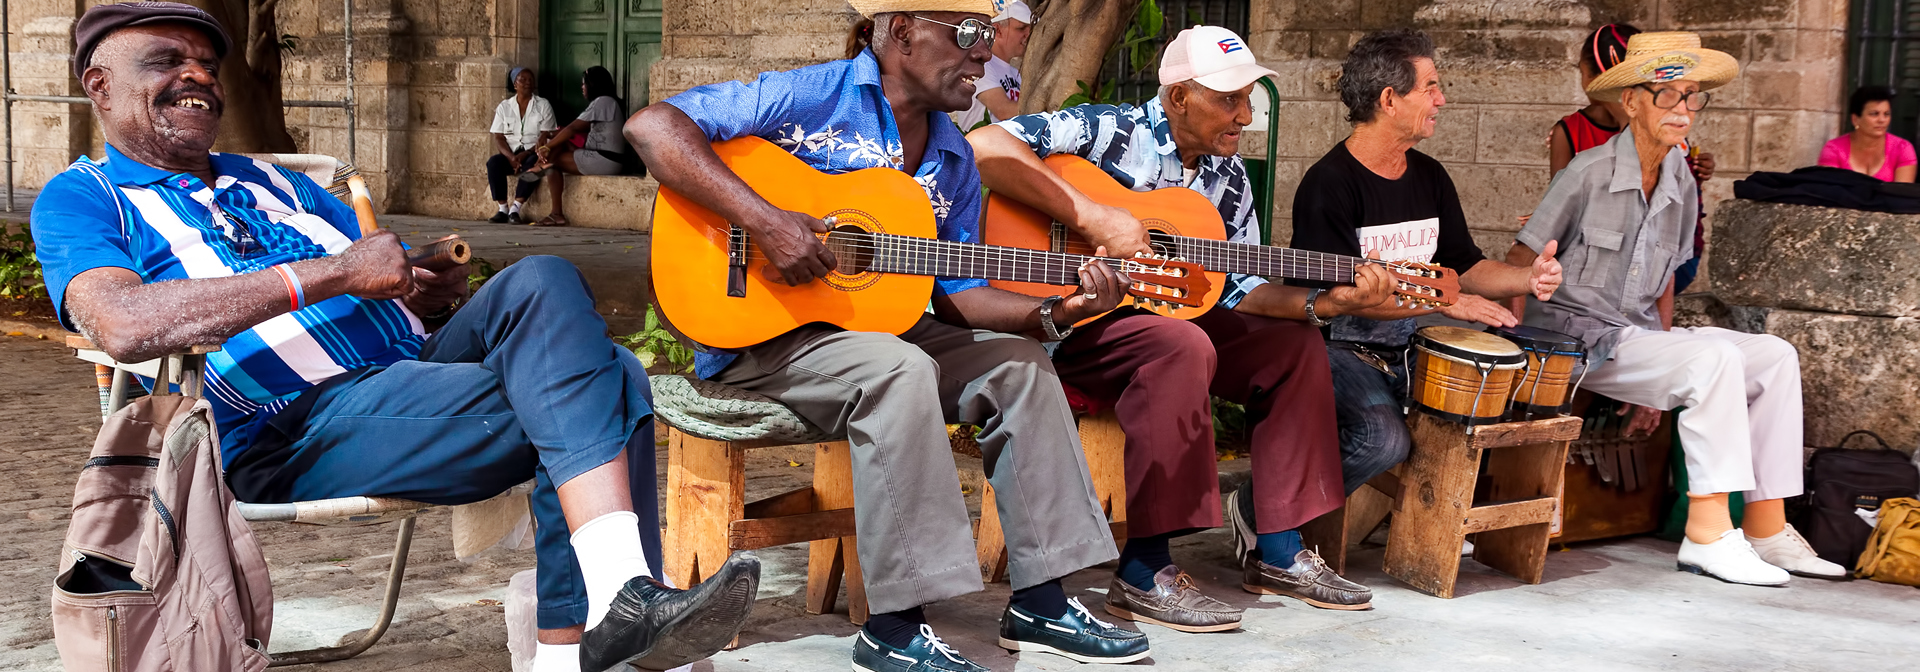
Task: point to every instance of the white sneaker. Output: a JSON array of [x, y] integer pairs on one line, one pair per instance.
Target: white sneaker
[[1790, 551], [1731, 559]]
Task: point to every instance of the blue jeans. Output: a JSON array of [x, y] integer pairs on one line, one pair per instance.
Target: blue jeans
[[1370, 407], [521, 383]]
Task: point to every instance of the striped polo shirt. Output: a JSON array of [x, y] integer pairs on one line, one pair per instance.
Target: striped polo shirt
[[120, 213]]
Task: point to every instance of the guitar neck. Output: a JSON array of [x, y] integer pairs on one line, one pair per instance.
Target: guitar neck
[[1267, 261], [925, 256]]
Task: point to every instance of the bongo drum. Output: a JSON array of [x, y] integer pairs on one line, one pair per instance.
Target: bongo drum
[[1546, 387], [1462, 375]]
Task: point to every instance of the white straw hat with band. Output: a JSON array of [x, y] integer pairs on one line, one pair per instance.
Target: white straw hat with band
[[1212, 56], [868, 8], [1653, 58]]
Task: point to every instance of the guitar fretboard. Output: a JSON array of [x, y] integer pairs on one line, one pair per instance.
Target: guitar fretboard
[[890, 253], [1265, 261]]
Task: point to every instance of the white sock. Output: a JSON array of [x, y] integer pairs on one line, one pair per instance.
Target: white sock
[[556, 657], [503, 206], [515, 207], [609, 552]]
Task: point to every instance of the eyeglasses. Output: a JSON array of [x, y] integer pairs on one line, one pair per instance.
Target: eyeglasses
[[968, 33], [1666, 99]]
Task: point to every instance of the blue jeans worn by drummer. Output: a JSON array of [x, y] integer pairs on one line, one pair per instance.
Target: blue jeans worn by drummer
[[521, 383]]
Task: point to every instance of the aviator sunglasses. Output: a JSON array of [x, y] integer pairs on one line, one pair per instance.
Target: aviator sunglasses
[[968, 33]]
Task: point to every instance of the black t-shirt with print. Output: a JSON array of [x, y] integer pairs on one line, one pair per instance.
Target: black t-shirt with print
[[1416, 217]]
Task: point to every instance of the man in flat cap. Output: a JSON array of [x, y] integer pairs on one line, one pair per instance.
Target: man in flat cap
[[886, 106], [1624, 214], [345, 372]]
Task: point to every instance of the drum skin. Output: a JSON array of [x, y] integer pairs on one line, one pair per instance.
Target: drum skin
[[1463, 375]]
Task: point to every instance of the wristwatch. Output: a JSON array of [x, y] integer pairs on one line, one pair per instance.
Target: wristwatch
[[1053, 331], [1313, 297]]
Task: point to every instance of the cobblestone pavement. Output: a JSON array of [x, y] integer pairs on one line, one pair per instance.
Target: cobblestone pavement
[[1608, 606]]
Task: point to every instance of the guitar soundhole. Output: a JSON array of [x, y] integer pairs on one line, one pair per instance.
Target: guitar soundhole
[[1160, 236], [852, 249]]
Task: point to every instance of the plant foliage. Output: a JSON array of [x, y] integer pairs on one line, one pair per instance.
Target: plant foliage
[[20, 275], [655, 345]]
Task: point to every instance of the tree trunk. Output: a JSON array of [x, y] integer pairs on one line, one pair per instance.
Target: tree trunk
[[1070, 40], [254, 119]]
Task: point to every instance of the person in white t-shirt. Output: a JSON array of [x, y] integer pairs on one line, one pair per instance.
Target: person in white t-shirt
[[520, 124], [997, 93]]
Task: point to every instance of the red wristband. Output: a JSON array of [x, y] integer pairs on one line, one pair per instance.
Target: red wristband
[[293, 287]]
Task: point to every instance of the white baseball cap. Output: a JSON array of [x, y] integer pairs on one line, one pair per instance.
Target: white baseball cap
[[1013, 9], [1212, 56]]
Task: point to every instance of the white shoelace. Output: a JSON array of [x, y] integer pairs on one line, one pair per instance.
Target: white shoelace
[[940, 646], [1077, 606]]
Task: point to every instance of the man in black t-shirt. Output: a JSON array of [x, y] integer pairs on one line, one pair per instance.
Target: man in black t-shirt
[[1373, 195]]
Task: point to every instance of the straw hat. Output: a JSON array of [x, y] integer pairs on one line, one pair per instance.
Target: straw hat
[[1665, 57], [868, 8]]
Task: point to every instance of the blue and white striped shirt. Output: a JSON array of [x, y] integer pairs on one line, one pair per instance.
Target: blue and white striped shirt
[[119, 213]]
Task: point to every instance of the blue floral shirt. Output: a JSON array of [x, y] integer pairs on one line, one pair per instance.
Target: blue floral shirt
[[1135, 146], [835, 117]]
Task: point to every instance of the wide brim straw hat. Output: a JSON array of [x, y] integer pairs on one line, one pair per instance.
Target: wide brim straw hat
[[1665, 57], [868, 8]]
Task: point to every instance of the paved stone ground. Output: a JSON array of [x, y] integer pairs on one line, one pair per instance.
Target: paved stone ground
[[1604, 606]]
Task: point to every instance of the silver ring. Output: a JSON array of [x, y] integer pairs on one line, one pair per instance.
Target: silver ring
[[1090, 296]]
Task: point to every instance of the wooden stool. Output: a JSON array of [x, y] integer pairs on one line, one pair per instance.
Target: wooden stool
[[708, 517], [1106, 449], [1334, 531], [1435, 509]]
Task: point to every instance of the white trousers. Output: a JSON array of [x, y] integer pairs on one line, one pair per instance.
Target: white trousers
[[1742, 427]]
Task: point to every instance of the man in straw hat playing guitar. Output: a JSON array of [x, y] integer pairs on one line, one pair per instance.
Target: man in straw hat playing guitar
[[886, 106], [1159, 371], [1623, 213], [331, 380]]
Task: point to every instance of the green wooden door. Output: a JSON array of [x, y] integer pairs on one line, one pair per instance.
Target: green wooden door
[[622, 36]]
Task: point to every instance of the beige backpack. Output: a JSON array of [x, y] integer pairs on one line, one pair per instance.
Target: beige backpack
[[159, 572]]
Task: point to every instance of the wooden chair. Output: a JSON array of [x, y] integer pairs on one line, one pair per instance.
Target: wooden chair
[[711, 427], [1106, 449], [186, 370], [1434, 506]]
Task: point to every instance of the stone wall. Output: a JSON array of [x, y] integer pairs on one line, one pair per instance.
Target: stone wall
[[46, 136], [1839, 285], [1508, 69]]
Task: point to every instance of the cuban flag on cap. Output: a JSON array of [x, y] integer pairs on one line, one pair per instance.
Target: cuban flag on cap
[[1230, 45]]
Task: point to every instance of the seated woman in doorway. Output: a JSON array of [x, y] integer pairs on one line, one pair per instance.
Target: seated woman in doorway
[[519, 124], [601, 155], [1870, 149]]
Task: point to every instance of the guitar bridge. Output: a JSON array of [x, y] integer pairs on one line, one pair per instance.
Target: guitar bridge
[[736, 261]]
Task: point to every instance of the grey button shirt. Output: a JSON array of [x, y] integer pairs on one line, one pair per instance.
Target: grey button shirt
[[1618, 248]]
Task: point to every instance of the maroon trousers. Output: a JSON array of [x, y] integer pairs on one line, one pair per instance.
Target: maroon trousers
[[1157, 373]]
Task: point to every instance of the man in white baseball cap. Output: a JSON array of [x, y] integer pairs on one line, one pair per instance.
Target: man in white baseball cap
[[996, 96], [1251, 348]]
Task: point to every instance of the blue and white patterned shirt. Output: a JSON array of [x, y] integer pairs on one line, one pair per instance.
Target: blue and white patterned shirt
[[1135, 146], [835, 117], [120, 213]]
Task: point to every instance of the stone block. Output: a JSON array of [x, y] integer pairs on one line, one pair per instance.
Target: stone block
[[1783, 141], [1334, 44], [1535, 14], [1699, 14], [811, 48], [1286, 182], [1507, 47], [1821, 259], [1470, 83], [1310, 128], [1773, 45], [1856, 373], [1772, 89], [1455, 134], [604, 202], [1282, 45], [1385, 14], [1734, 42], [1493, 244], [1493, 197], [1725, 134], [700, 17], [1515, 135]]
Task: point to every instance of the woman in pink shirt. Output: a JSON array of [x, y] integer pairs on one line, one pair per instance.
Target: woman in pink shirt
[[1870, 149]]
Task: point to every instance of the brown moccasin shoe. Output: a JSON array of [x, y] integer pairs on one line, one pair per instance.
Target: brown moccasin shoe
[[1314, 584], [1174, 602]]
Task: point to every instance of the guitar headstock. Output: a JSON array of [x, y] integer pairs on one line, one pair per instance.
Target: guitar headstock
[[1418, 285], [1157, 280]]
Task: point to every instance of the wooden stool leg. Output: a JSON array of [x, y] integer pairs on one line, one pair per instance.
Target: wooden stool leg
[[1106, 448], [991, 543], [1520, 473], [1423, 548], [831, 560], [1327, 535], [706, 492]]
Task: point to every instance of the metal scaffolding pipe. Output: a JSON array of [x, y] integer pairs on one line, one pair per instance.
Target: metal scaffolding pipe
[[8, 97]]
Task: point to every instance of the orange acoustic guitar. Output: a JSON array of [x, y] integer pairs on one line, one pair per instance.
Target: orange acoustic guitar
[[1183, 225], [715, 286]]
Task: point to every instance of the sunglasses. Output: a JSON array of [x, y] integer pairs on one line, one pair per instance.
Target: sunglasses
[[970, 31], [1666, 99]]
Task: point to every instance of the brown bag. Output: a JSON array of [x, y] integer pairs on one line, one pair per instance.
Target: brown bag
[[159, 572], [1893, 554]]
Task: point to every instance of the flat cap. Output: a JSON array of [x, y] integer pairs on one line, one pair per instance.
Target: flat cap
[[101, 20]]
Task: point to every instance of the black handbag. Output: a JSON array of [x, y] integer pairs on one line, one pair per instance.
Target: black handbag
[[1840, 481]]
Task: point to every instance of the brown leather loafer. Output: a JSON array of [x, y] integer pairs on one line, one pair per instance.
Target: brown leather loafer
[[1174, 602], [1316, 584]]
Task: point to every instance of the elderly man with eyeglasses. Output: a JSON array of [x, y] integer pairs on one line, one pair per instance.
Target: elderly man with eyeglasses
[[1623, 214]]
